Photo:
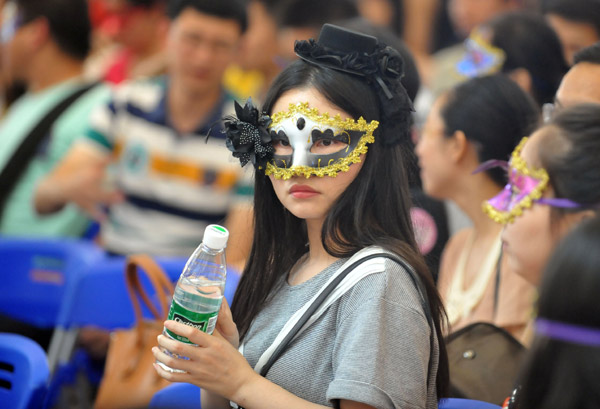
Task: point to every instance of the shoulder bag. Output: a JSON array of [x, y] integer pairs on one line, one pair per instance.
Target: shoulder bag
[[484, 359]]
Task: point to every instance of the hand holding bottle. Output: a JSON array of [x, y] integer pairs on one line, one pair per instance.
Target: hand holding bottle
[[199, 291]]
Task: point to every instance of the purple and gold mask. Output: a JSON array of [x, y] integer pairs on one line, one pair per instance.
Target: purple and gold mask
[[525, 186]]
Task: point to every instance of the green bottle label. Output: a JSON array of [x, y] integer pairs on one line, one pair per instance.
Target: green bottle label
[[205, 322]]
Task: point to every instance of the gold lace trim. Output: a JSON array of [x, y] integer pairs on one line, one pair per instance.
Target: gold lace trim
[[341, 164]]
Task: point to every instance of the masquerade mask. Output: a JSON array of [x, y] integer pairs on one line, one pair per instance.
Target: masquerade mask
[[308, 143], [481, 57], [11, 21], [525, 186]]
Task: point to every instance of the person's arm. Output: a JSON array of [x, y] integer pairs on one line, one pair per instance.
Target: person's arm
[[240, 223], [79, 178], [387, 309], [419, 26], [217, 367]]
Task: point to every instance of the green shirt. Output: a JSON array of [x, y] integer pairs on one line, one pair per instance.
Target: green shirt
[[19, 217]]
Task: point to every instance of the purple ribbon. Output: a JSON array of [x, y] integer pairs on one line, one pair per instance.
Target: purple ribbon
[[558, 202], [561, 331], [490, 164]]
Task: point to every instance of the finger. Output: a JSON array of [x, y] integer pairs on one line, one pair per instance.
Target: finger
[[111, 197], [225, 321], [170, 376], [94, 211], [194, 335], [172, 361], [225, 308], [177, 347]]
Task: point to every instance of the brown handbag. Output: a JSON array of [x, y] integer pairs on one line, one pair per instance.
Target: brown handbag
[[484, 362], [129, 380]]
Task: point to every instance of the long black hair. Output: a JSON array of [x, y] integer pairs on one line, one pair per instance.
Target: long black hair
[[559, 374], [373, 210], [494, 113]]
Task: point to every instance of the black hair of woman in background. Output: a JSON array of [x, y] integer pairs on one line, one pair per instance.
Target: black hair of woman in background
[[562, 366], [533, 52]]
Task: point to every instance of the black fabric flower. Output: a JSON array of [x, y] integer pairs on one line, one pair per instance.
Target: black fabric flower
[[382, 67], [247, 135]]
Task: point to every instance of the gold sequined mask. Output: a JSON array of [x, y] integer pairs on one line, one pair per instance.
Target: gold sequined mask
[[309, 143]]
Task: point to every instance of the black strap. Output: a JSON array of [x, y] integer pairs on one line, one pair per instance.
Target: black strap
[[497, 284], [325, 293], [19, 161]]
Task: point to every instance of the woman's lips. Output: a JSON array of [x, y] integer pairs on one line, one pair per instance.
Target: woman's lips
[[302, 191]]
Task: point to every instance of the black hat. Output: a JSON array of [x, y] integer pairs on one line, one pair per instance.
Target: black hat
[[363, 55]]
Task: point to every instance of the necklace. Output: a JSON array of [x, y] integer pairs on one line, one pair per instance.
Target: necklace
[[460, 300]]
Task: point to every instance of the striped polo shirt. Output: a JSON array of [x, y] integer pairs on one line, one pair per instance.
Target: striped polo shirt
[[174, 184]]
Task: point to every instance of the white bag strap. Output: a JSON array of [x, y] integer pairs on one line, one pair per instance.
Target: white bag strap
[[372, 266]]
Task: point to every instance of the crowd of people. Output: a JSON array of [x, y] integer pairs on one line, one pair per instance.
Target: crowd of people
[[437, 159]]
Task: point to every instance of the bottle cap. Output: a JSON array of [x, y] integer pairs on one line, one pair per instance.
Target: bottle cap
[[215, 236]]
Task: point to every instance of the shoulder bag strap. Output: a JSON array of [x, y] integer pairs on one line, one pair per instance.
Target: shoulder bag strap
[[497, 284], [18, 162]]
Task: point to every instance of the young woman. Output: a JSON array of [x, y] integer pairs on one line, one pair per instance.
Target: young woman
[[554, 184], [330, 188], [562, 366], [481, 119]]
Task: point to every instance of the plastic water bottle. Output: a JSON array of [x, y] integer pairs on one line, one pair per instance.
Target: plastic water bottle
[[200, 288]]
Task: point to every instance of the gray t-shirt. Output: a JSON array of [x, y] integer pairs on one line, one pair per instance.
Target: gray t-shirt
[[372, 345]]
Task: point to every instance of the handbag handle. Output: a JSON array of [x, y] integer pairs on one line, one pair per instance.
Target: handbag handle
[[159, 281]]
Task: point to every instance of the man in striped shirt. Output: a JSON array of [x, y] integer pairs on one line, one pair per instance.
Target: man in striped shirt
[[146, 169]]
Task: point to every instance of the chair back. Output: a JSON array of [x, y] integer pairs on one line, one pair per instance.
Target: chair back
[[177, 395], [100, 297], [455, 403], [23, 372], [35, 274]]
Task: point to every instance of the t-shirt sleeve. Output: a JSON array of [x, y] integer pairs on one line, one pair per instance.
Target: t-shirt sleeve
[[99, 131], [382, 344], [102, 130]]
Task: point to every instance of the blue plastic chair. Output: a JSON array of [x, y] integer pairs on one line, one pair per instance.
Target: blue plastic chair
[[23, 372], [100, 296], [455, 403], [35, 274], [177, 395]]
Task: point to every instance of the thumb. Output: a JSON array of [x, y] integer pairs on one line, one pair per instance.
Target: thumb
[[225, 325]]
